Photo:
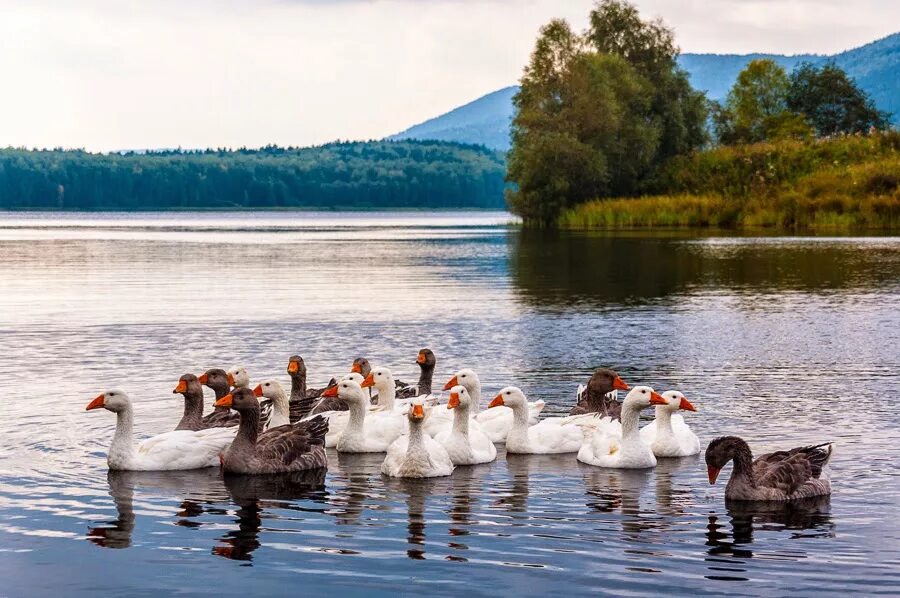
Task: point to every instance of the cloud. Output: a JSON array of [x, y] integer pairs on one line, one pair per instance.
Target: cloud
[[110, 75]]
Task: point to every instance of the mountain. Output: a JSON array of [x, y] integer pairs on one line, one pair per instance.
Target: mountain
[[484, 121], [875, 66]]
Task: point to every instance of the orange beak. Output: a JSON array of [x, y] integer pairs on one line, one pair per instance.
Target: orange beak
[[331, 391], [498, 400], [224, 401], [293, 367], [686, 405], [257, 392], [713, 473], [369, 381], [453, 403], [619, 384], [418, 411], [203, 379], [182, 386], [451, 383], [657, 399], [356, 368], [231, 379], [95, 404], [420, 358]]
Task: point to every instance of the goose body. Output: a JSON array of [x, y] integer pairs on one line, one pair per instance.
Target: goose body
[[538, 439], [287, 448], [599, 396], [669, 435], [416, 454], [795, 474], [625, 449], [465, 442], [180, 449], [365, 431], [498, 421]]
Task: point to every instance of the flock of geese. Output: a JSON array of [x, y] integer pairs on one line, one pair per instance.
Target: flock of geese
[[265, 430]]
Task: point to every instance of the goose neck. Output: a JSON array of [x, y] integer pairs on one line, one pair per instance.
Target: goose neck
[[386, 395], [298, 386], [425, 379], [630, 418], [122, 447], [475, 396], [461, 421], [193, 412], [249, 428], [663, 421]]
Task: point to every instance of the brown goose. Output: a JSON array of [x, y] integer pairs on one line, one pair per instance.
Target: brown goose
[[294, 447], [426, 362], [189, 386], [779, 476], [220, 382], [595, 400], [297, 371], [332, 402]]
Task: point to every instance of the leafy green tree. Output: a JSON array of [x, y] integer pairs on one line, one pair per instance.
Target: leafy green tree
[[756, 108], [832, 102], [597, 114]]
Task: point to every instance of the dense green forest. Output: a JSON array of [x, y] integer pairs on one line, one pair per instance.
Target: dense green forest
[[375, 174]]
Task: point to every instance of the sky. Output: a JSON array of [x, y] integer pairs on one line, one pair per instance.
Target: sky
[[127, 74]]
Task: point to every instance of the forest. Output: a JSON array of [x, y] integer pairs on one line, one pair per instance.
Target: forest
[[342, 175]]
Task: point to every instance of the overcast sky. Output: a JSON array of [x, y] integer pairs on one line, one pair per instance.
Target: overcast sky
[[121, 74]]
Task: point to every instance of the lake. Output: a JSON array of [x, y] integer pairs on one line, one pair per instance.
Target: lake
[[781, 340]]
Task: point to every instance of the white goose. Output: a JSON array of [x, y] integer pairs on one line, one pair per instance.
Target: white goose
[[182, 449], [606, 448], [281, 409], [365, 431], [669, 435], [544, 440], [239, 377], [337, 420], [496, 422], [416, 455], [466, 445]]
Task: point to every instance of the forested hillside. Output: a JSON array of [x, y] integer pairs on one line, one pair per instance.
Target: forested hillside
[[378, 174]]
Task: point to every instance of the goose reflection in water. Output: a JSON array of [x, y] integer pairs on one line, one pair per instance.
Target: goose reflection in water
[[525, 469], [808, 518], [202, 489], [357, 481], [252, 494]]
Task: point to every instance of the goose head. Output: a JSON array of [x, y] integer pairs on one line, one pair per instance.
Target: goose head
[[349, 390], [112, 400], [188, 385], [511, 397], [459, 398], [270, 389], [361, 366], [677, 401], [381, 378], [241, 399], [464, 377], [296, 366], [416, 413], [239, 377], [426, 359], [722, 450], [216, 379], [355, 376], [603, 381], [641, 397]]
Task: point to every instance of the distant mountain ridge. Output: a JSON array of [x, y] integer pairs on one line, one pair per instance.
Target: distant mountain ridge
[[486, 120]]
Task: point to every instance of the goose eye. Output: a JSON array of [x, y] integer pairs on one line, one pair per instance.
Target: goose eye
[[643, 392]]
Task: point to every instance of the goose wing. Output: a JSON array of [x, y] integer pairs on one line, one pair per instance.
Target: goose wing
[[289, 443], [788, 471]]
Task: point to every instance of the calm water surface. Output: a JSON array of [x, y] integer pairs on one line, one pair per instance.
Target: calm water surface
[[780, 340]]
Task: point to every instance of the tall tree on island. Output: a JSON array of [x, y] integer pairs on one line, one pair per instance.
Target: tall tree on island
[[598, 113]]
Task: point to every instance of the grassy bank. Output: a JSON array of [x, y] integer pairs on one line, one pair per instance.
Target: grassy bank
[[845, 183]]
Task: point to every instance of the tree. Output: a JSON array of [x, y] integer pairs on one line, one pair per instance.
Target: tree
[[756, 108], [832, 102], [597, 114]]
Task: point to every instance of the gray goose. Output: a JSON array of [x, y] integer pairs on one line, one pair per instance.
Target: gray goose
[[189, 386], [294, 447], [596, 397], [426, 362], [220, 382], [325, 404], [780, 476]]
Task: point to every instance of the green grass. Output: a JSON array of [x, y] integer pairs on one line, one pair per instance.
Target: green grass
[[845, 183]]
